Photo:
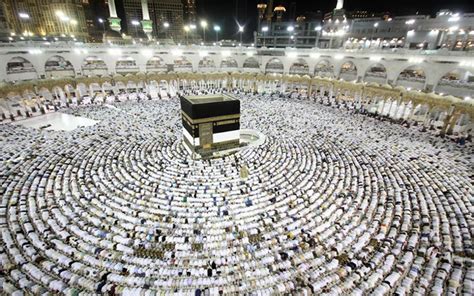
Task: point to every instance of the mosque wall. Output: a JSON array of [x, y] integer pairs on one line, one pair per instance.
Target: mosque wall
[[181, 59]]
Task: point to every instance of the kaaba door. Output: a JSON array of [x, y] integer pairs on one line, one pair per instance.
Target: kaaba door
[[205, 135]]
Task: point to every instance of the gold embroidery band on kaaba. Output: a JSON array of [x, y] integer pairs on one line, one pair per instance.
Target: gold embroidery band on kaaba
[[225, 122], [209, 119]]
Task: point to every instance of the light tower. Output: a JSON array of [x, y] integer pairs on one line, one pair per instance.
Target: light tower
[[147, 25], [114, 21], [261, 7], [279, 11], [340, 4]]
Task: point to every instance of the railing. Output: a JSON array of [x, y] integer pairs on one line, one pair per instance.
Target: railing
[[72, 45]]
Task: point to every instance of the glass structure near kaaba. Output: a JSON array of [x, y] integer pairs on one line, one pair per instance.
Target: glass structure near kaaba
[[210, 123]]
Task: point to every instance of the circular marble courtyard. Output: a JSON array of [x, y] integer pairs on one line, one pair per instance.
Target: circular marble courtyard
[[335, 202]]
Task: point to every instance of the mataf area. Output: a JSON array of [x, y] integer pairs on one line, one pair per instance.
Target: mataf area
[[336, 202]]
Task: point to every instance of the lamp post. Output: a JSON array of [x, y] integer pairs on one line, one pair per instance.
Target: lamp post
[[241, 31], [74, 24], [264, 30], [409, 23], [192, 27], [166, 26], [204, 27], [217, 29], [103, 29], [373, 32], [290, 30], [318, 34], [186, 31], [136, 23], [24, 17]]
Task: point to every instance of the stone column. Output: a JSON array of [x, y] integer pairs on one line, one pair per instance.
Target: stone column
[[450, 121], [403, 109], [427, 114], [452, 124], [383, 106]]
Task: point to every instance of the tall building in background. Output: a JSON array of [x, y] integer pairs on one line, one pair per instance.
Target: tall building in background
[[4, 27], [190, 13], [261, 8], [292, 11], [46, 18], [96, 14], [160, 12]]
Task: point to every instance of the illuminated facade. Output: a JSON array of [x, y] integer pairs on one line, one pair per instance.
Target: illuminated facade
[[4, 28], [30, 19], [160, 11], [96, 14], [190, 11], [453, 31]]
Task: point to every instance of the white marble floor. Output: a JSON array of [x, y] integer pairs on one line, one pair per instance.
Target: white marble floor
[[59, 121]]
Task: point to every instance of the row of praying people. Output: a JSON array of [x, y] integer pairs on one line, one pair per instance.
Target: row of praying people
[[335, 202]]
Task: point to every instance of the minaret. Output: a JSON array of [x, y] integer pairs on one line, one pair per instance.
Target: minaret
[[261, 7], [114, 21], [279, 11], [340, 4], [269, 14], [147, 25]]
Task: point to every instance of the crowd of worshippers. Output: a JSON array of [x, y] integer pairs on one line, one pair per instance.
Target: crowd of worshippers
[[335, 202], [109, 97]]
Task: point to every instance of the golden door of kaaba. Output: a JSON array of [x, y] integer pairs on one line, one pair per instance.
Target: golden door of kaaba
[[205, 135]]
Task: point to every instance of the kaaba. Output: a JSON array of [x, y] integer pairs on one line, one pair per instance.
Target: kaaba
[[210, 123]]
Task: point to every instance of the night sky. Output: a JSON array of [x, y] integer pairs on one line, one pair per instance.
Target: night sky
[[226, 12]]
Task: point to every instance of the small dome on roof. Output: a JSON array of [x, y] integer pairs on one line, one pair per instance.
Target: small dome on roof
[[280, 8], [113, 35]]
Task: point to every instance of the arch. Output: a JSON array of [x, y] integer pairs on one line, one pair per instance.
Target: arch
[[419, 112], [82, 90], [107, 87], [132, 85], [182, 64], [94, 65], [376, 73], [458, 82], [436, 116], [462, 124], [251, 63], [126, 65], [120, 85], [13, 103], [19, 68], [70, 90], [57, 67], [274, 66], [300, 67], [412, 77], [45, 93], [59, 94], [348, 71], [407, 110], [95, 87], [229, 63], [324, 69], [156, 64], [206, 64]]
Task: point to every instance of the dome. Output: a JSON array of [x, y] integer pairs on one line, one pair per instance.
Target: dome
[[113, 35], [280, 8]]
